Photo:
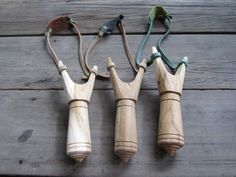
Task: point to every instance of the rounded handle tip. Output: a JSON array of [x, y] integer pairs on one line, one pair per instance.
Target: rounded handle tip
[[110, 63], [154, 50], [94, 69], [185, 59]]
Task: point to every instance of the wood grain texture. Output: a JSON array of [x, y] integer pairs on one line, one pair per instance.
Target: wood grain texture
[[126, 96], [170, 129], [34, 113], [26, 17], [78, 136], [25, 63], [33, 136]]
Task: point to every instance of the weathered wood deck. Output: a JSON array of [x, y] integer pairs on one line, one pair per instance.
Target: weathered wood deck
[[34, 111]]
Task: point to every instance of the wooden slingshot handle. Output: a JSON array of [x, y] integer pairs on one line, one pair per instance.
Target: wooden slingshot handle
[[126, 95], [78, 137], [170, 131]]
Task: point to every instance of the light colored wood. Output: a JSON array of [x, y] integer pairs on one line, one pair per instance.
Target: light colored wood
[[38, 70], [170, 130], [126, 95], [34, 113], [78, 136], [209, 149]]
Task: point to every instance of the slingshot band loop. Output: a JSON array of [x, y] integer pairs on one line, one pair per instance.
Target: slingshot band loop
[[159, 13], [66, 23], [58, 25]]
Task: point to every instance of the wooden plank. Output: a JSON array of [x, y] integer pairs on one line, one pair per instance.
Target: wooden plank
[[25, 63], [34, 125], [25, 17]]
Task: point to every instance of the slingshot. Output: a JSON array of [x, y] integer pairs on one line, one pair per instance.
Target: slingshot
[[126, 95], [78, 137], [170, 131]]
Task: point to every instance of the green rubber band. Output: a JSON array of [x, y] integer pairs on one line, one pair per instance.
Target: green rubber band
[[142, 45], [167, 61], [156, 12], [159, 13], [153, 57]]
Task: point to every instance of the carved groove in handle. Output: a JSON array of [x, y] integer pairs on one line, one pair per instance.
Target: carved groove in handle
[[125, 130], [170, 131], [78, 137]]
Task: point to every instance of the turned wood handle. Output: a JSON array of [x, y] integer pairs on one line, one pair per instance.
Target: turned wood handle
[[170, 131], [126, 95], [125, 130], [78, 137]]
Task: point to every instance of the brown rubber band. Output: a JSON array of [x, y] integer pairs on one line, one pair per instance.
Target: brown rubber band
[[66, 23]]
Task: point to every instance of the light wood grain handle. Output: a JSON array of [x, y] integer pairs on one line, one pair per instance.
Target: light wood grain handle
[[125, 130], [126, 95], [78, 137], [170, 130]]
